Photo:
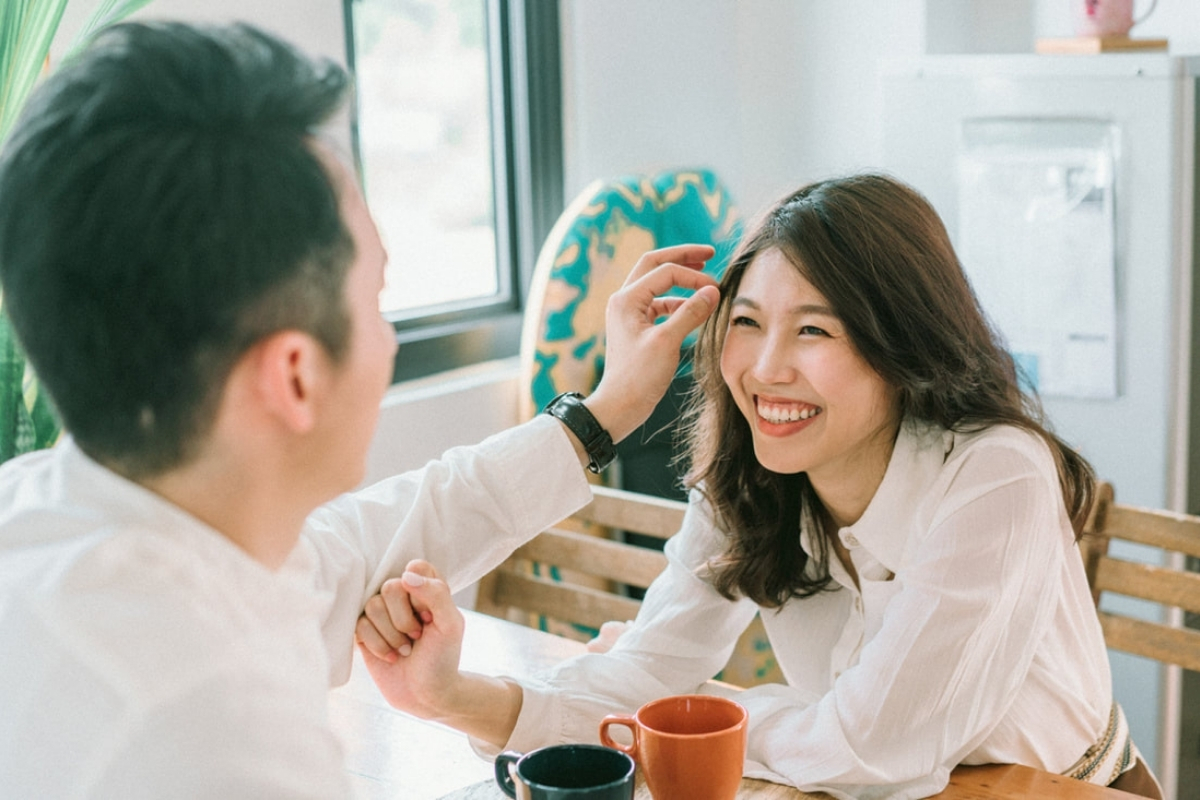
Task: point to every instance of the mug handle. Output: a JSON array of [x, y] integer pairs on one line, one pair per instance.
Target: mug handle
[[1146, 13], [505, 765], [624, 721]]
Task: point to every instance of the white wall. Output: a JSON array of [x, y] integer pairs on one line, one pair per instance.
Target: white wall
[[768, 93], [978, 26], [773, 93], [421, 419]]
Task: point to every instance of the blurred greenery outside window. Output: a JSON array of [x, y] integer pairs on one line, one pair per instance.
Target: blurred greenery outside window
[[457, 137]]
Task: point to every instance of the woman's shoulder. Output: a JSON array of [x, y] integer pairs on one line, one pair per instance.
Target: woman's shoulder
[[999, 436], [950, 446], [992, 466], [1000, 452], [985, 453]]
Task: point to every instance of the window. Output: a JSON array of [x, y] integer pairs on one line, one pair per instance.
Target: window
[[457, 135]]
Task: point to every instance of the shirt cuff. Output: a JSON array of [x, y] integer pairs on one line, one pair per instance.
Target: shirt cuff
[[539, 723]]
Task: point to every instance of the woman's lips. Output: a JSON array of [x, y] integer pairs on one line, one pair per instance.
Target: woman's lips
[[776, 418], [776, 412]]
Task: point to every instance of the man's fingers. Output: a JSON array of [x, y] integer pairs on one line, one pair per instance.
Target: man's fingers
[[399, 608], [430, 596], [369, 639], [691, 256], [669, 276], [419, 566], [391, 623], [685, 317], [376, 614]]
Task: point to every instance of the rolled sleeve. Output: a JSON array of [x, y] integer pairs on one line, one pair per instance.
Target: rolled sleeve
[[464, 513]]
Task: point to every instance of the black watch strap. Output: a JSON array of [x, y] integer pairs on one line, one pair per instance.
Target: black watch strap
[[569, 408]]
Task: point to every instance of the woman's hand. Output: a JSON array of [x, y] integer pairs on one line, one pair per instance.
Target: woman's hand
[[609, 633], [644, 332]]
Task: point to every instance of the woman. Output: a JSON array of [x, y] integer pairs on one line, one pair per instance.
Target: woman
[[867, 473]]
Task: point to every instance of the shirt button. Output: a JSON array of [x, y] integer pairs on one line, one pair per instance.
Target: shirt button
[[858, 604], [850, 540]]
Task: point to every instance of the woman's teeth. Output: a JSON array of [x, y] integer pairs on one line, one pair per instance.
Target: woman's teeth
[[777, 414]]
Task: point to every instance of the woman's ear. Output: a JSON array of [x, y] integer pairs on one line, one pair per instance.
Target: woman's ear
[[287, 372]]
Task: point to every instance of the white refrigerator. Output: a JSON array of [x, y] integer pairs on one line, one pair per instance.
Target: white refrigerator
[[1068, 185]]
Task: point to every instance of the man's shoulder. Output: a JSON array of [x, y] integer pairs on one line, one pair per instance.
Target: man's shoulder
[[131, 685], [54, 494], [109, 599]]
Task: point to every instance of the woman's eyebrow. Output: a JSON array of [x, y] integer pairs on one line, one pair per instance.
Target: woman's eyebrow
[[803, 308]]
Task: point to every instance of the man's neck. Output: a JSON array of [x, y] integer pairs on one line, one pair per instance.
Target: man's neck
[[245, 506]]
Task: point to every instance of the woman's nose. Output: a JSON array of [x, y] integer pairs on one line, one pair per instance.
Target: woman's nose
[[773, 364]]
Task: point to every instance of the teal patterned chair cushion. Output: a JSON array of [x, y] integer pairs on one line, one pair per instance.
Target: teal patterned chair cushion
[[588, 254]]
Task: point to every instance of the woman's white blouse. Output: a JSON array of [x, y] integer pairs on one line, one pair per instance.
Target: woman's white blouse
[[973, 638]]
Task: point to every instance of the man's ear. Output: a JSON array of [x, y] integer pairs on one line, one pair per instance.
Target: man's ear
[[288, 369]]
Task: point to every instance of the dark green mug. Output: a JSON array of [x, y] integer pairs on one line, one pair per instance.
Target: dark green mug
[[566, 772]]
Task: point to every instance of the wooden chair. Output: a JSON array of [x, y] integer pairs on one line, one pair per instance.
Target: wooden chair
[[571, 582], [513, 591], [1167, 585]]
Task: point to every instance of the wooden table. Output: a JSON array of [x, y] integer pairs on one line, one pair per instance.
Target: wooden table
[[391, 755]]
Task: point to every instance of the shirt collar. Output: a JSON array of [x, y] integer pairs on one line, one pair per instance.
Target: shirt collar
[[91, 486], [917, 459]]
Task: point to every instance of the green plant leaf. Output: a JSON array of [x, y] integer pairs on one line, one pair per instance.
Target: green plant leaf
[[27, 30], [107, 13], [46, 429], [12, 404]]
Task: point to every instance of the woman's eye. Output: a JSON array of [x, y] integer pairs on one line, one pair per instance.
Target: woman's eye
[[812, 330], [738, 322]]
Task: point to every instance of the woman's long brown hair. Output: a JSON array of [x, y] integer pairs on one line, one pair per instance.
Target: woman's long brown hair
[[879, 253]]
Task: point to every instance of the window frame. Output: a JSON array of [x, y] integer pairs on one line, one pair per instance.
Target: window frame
[[527, 182]]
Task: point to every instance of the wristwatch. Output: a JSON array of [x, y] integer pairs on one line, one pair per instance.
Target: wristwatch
[[569, 408]]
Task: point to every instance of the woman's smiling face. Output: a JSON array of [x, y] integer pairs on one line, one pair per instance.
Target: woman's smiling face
[[813, 403]]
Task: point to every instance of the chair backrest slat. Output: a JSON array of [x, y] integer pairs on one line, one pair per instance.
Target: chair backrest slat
[[590, 567], [642, 513], [1168, 587], [1162, 583], [1151, 640], [604, 558], [1157, 528], [580, 605]]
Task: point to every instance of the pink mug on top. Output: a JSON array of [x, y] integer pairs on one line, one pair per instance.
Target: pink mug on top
[[1106, 17]]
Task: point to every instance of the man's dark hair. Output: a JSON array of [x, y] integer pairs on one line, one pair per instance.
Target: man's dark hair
[[162, 209]]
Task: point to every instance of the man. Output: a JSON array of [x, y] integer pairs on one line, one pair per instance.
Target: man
[[194, 275]]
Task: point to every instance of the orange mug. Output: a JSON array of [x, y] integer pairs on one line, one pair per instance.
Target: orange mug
[[689, 747]]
